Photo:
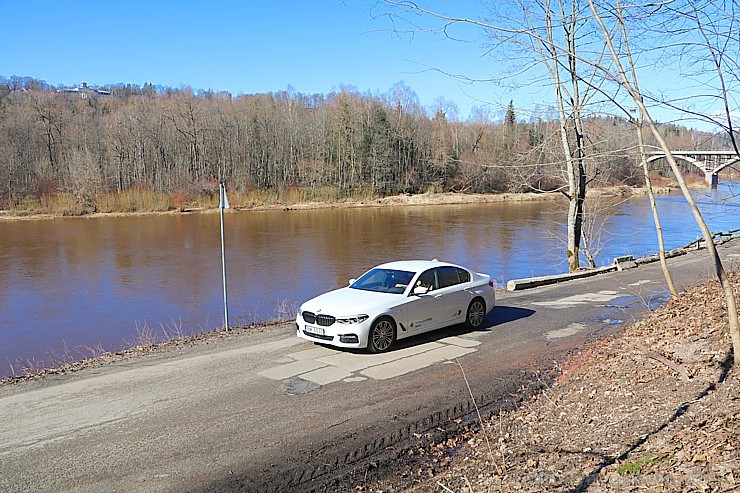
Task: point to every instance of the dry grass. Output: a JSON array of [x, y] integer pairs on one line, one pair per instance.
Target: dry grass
[[293, 196], [134, 200], [66, 204], [284, 312], [147, 337], [142, 201], [62, 204]]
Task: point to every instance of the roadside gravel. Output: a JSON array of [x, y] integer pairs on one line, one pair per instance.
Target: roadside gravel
[[655, 407]]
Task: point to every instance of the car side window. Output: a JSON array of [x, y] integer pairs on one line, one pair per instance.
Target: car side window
[[463, 275], [448, 276], [428, 280]]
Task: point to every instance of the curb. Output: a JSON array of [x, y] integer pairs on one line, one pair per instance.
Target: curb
[[619, 264], [533, 282]]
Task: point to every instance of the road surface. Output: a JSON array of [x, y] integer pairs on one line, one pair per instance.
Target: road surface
[[266, 411]]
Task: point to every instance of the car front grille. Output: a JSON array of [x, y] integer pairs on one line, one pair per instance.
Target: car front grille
[[323, 320], [317, 336]]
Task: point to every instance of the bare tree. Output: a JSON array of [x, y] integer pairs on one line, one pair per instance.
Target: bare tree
[[180, 142], [551, 33], [702, 35], [654, 208], [573, 148], [629, 85], [646, 170]]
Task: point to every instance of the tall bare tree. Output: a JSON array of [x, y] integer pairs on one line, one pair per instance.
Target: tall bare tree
[[628, 84], [644, 163], [550, 33]]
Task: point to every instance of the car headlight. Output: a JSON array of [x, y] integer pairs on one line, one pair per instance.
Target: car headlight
[[356, 319]]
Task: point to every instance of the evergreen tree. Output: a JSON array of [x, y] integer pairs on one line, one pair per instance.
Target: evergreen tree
[[510, 118]]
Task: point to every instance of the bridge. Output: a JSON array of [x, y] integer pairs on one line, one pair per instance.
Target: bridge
[[710, 162]]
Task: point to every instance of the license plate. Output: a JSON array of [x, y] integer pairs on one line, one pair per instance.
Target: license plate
[[314, 330]]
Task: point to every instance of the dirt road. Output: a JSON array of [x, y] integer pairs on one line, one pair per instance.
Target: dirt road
[[266, 411]]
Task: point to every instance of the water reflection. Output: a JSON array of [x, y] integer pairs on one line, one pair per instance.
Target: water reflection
[[76, 282]]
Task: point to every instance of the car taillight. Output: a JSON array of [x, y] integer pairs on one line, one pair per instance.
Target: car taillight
[[490, 283]]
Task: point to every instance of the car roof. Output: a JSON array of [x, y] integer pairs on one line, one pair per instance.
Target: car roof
[[415, 265]]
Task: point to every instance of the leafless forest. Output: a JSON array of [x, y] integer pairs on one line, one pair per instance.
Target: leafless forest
[[162, 148]]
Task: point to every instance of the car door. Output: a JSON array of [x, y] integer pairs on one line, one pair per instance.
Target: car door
[[425, 311], [455, 298]]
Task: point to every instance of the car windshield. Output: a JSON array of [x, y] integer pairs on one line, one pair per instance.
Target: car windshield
[[384, 281]]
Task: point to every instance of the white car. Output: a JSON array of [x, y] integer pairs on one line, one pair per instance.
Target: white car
[[394, 301]]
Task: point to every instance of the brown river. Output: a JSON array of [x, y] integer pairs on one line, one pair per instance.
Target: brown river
[[72, 287]]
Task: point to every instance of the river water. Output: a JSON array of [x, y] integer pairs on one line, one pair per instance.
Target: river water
[[71, 287]]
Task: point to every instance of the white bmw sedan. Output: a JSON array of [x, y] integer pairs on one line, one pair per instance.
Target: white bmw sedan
[[394, 301]]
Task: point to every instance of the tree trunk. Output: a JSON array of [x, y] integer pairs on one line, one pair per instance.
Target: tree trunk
[[656, 219], [574, 164], [717, 262], [718, 268]]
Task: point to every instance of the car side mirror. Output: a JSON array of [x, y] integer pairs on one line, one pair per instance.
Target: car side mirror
[[419, 290], [352, 281]]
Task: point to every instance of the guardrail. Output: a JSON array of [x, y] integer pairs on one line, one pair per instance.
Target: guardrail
[[718, 238]]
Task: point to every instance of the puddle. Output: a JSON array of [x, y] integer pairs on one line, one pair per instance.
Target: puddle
[[614, 313], [623, 302], [658, 301], [653, 301]]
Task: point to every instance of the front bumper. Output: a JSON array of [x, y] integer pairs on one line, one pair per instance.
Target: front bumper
[[340, 335]]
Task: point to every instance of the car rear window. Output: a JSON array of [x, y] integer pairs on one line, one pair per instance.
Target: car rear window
[[450, 276]]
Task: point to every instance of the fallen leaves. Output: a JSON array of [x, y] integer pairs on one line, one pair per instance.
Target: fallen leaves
[[620, 417]]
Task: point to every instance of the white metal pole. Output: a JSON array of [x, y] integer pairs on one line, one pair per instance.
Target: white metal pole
[[221, 205]]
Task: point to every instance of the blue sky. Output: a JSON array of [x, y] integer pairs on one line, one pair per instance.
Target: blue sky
[[256, 46], [240, 47]]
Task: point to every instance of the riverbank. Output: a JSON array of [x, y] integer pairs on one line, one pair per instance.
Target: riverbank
[[654, 407], [147, 342], [461, 198], [247, 203]]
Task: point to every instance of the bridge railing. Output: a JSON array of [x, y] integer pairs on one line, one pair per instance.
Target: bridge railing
[[707, 161]]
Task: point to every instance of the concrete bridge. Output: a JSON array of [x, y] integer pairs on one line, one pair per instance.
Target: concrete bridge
[[710, 162]]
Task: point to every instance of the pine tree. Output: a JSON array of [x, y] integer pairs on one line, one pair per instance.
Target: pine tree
[[510, 118]]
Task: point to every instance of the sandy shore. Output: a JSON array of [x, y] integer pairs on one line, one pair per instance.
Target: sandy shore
[[395, 200]]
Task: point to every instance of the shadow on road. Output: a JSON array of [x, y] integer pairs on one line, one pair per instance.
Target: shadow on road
[[503, 314], [500, 315]]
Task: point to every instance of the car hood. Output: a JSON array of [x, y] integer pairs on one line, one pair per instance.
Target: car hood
[[347, 301]]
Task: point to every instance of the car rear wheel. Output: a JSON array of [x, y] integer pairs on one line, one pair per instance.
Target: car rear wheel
[[476, 313], [382, 335]]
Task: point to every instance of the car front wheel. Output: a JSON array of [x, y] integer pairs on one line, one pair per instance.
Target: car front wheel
[[382, 335], [476, 313]]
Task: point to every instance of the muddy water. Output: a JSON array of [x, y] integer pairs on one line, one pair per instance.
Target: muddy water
[[71, 287]]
